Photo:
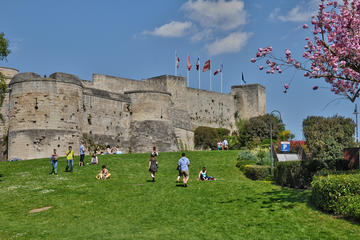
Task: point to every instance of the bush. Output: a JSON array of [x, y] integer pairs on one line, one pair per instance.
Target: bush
[[338, 194], [207, 137], [327, 137], [296, 174], [245, 158], [256, 172]]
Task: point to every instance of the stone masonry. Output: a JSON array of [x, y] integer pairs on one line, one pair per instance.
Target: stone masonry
[[42, 113]]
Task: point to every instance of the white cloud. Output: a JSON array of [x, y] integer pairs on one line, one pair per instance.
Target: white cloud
[[172, 29], [299, 13], [234, 42], [201, 35], [221, 14]]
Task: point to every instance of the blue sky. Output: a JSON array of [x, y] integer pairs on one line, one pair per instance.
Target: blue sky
[[137, 39]]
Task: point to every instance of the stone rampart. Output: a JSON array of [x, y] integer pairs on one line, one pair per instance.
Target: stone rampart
[[54, 112]]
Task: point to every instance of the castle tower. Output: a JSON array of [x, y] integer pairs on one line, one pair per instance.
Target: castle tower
[[44, 113], [249, 100], [150, 121], [9, 73]]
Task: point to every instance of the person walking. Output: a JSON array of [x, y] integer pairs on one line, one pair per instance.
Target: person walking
[[82, 154], [184, 164], [70, 160], [54, 162], [153, 166]]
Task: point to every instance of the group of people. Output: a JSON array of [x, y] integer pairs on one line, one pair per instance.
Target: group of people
[[182, 165], [182, 168], [224, 145], [104, 173]]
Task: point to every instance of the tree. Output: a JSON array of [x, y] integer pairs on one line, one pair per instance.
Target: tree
[[257, 129], [327, 137], [334, 52], [4, 52]]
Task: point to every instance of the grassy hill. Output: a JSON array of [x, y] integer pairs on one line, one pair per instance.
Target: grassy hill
[[129, 206]]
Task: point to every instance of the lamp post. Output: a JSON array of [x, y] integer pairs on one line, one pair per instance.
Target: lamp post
[[357, 127], [271, 143]]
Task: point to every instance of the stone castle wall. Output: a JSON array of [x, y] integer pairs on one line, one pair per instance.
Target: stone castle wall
[[54, 112]]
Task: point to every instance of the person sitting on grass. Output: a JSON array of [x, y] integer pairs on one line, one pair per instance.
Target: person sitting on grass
[[94, 159], [104, 173], [203, 175]]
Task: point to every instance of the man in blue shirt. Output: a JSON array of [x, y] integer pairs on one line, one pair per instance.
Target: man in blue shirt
[[82, 154], [184, 164]]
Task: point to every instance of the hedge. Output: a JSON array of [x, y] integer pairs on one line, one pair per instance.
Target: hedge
[[297, 174], [257, 172], [338, 194]]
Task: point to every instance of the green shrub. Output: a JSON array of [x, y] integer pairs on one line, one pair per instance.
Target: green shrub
[[205, 137], [327, 137], [338, 194], [245, 158], [296, 174], [256, 172], [222, 133]]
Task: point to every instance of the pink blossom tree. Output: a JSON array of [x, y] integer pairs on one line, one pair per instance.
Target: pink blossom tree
[[333, 53]]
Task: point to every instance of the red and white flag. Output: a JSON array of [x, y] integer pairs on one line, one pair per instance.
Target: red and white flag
[[177, 62], [218, 70], [198, 64], [206, 66], [189, 64]]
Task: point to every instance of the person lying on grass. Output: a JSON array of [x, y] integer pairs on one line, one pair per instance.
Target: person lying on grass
[[203, 175], [104, 173]]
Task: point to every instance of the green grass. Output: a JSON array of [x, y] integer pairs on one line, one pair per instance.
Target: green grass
[[127, 206]]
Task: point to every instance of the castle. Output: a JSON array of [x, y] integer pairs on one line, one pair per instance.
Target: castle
[[43, 113]]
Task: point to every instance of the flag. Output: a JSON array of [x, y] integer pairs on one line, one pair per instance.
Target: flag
[[198, 64], [218, 70], [177, 62], [206, 66], [242, 77], [189, 64]]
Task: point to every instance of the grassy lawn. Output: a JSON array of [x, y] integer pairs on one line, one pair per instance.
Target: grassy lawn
[[129, 206]]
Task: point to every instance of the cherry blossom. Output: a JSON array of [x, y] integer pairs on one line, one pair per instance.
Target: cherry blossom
[[333, 52]]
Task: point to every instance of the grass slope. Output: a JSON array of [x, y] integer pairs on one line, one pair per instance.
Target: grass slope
[[129, 206]]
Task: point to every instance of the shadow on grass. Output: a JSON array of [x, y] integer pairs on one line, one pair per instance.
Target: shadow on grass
[[1, 175], [287, 198]]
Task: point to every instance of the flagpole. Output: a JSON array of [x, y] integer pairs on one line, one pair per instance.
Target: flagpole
[[175, 63], [221, 81], [199, 72], [210, 73], [188, 80]]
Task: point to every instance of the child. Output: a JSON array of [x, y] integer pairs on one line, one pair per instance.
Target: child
[[155, 152], [153, 166], [104, 173]]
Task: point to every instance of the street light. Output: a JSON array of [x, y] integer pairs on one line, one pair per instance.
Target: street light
[[271, 144], [357, 127]]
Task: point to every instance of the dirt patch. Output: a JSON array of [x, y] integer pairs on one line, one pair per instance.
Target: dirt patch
[[39, 209]]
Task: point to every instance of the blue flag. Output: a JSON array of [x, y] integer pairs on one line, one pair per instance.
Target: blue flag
[[242, 77]]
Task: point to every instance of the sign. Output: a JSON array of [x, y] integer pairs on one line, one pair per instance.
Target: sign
[[285, 146]]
